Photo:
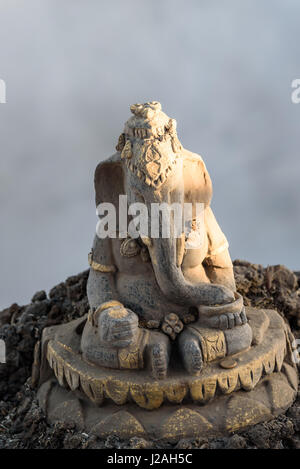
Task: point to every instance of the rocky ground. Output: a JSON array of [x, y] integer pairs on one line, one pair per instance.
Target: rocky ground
[[22, 422]]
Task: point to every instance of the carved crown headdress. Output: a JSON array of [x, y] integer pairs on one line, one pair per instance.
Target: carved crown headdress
[[149, 145]]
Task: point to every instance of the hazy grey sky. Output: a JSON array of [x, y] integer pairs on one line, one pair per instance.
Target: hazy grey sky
[[73, 67]]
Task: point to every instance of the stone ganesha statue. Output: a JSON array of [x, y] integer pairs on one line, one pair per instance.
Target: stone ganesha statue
[[152, 299], [167, 349]]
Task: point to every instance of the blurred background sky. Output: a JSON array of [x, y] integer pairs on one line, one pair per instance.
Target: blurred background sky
[[73, 67]]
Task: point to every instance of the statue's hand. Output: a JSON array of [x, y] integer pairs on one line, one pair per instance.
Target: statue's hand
[[118, 327], [221, 295]]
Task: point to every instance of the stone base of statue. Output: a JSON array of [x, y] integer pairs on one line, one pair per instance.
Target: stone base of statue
[[229, 394]]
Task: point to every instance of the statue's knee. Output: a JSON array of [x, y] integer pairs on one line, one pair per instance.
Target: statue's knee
[[112, 338], [237, 339]]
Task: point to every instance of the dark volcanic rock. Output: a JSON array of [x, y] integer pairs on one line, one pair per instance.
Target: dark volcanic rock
[[271, 287], [39, 296]]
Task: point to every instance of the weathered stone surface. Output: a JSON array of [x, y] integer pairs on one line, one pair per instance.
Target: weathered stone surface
[[243, 412], [122, 424], [185, 423], [259, 322], [68, 411], [282, 394], [223, 415], [292, 375], [120, 387]]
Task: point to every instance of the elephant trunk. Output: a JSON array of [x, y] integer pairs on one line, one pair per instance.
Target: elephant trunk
[[166, 256]]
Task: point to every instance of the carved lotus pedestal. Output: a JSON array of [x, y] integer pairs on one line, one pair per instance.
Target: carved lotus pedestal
[[229, 394]]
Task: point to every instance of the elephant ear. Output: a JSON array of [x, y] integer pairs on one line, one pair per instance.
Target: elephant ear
[[109, 181], [197, 182]]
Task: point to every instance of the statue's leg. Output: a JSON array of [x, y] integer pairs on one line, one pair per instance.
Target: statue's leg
[[158, 354], [191, 353], [199, 345]]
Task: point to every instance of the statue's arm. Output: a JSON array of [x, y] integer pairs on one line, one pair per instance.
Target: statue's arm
[[217, 264], [113, 331], [219, 269], [101, 281]]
